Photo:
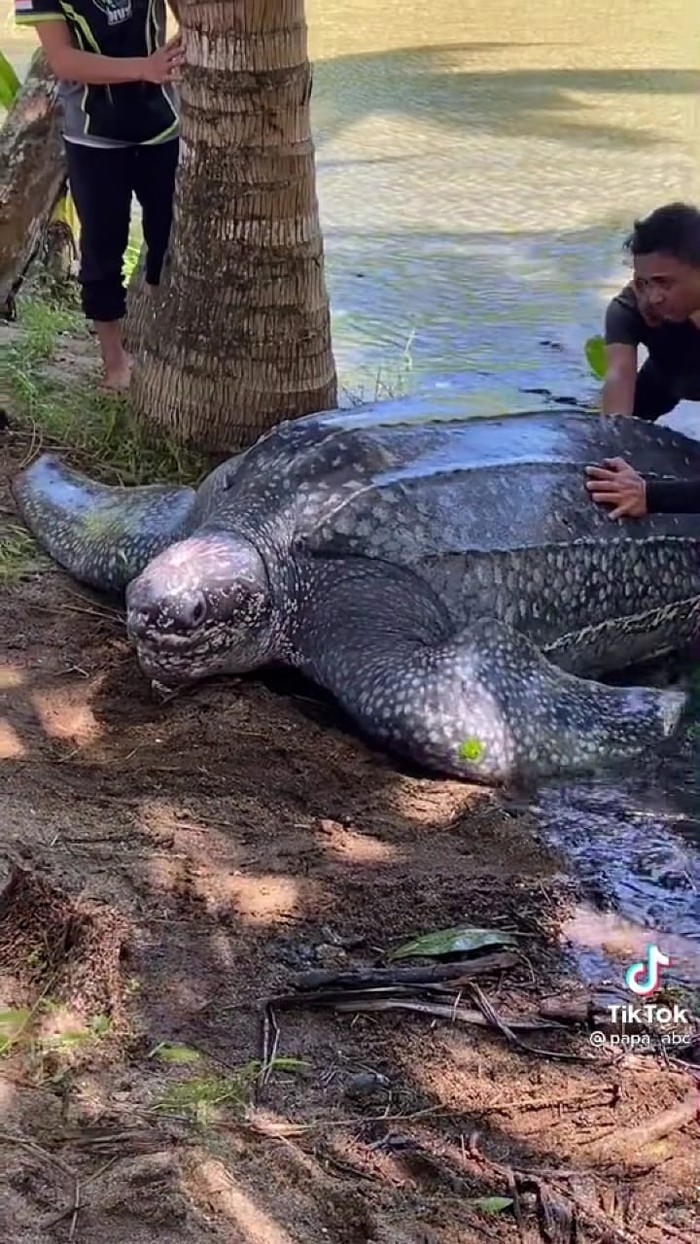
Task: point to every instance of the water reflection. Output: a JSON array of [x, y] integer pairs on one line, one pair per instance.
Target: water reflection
[[634, 842], [503, 317], [445, 86]]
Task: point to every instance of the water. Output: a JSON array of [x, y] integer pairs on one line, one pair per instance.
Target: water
[[478, 168]]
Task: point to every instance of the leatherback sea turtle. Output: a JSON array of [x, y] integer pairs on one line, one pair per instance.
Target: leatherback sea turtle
[[446, 578]]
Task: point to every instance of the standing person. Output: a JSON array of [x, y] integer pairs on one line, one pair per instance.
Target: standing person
[[660, 309], [121, 137]]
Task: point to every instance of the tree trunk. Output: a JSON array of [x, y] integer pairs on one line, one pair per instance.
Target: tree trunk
[[32, 173], [138, 307], [238, 336]]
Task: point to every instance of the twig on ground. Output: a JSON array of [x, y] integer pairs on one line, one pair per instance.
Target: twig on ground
[[72, 1209], [568, 1011], [517, 1207], [276, 1128], [624, 1144], [77, 1205], [10, 1138], [441, 1010], [129, 1140], [271, 1041], [23, 1142], [506, 1029], [605, 1096], [394, 997], [368, 978], [550, 1192], [387, 989]]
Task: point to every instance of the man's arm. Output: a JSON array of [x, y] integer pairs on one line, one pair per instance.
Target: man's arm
[[672, 496], [621, 342], [90, 68], [614, 482]]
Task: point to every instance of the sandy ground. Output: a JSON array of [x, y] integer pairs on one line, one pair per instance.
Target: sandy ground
[[169, 867]]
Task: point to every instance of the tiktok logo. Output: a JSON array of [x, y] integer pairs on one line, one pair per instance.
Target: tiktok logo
[[643, 978]]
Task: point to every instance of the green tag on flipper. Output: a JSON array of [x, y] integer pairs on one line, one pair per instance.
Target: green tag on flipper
[[471, 749]]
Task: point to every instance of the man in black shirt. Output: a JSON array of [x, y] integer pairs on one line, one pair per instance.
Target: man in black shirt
[[660, 309], [121, 137]]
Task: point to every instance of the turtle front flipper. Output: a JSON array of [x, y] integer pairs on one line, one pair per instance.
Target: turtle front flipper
[[483, 703], [487, 706], [102, 535]]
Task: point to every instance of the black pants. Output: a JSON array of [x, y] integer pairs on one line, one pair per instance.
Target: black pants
[[102, 182], [653, 395]]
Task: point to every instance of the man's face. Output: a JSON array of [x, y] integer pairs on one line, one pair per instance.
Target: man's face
[[666, 287]]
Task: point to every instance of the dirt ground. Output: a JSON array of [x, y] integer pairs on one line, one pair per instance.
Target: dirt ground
[[167, 867]]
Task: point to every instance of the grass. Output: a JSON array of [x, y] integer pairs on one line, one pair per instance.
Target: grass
[[50, 376], [199, 1099], [57, 399], [52, 1043], [19, 555], [60, 1037]]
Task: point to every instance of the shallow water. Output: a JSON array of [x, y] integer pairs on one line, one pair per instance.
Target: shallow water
[[634, 842], [478, 168]]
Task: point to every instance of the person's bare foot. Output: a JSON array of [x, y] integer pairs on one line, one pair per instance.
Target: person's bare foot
[[115, 360], [117, 379]]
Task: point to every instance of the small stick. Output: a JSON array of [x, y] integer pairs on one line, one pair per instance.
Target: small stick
[[517, 1207], [507, 1030], [56, 1218], [23, 1142], [270, 1048], [8, 1138], [440, 1011], [632, 1139], [365, 978]]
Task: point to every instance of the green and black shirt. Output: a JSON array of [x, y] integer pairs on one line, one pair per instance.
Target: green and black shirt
[[120, 115]]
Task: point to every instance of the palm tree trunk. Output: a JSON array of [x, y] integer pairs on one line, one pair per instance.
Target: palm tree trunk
[[32, 174], [239, 336]]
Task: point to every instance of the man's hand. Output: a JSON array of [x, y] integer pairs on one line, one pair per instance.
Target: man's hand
[[162, 66], [616, 483]]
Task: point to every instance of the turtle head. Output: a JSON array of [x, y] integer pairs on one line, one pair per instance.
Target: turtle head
[[202, 607]]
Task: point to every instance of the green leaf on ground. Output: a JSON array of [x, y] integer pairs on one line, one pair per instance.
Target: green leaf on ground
[[491, 1204], [169, 1052], [452, 942]]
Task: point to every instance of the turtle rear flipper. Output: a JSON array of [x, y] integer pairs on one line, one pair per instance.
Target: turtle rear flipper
[[102, 535]]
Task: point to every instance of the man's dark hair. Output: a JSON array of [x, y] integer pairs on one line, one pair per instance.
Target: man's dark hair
[[673, 229]]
